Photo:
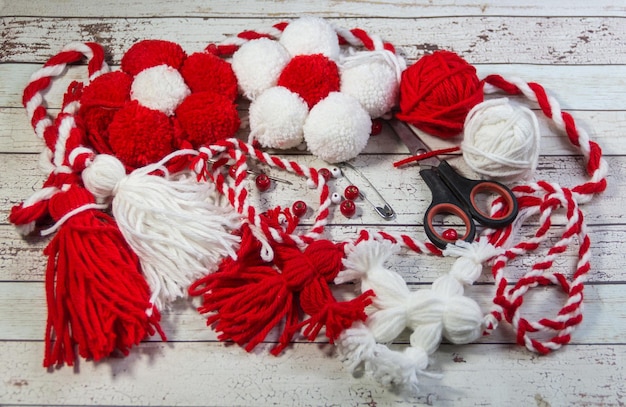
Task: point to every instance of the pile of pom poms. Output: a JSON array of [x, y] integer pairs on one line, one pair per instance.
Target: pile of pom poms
[[160, 101], [305, 87], [442, 95]]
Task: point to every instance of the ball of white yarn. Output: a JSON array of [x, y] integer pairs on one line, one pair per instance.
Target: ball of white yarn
[[277, 118], [310, 35], [102, 176], [501, 140], [372, 81], [258, 64], [337, 128], [160, 88]]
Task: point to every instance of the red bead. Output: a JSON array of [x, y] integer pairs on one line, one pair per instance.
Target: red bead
[[262, 182], [299, 208], [325, 172], [351, 192], [347, 208], [377, 127], [450, 234]]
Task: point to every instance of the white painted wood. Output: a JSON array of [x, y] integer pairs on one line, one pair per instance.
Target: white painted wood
[[575, 49], [208, 374], [564, 40], [23, 303], [324, 8]]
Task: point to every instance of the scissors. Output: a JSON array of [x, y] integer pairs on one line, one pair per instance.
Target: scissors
[[454, 194]]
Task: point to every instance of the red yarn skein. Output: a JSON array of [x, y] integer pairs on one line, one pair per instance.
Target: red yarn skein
[[437, 93]]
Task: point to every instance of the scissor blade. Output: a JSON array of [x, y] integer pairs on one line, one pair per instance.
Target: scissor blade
[[412, 141]]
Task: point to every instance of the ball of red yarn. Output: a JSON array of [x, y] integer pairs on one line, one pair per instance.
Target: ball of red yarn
[[139, 136], [207, 117], [207, 72], [312, 77], [148, 53], [437, 93]]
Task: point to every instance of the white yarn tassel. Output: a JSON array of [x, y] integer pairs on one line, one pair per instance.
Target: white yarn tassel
[[441, 311], [174, 224], [501, 140], [358, 349]]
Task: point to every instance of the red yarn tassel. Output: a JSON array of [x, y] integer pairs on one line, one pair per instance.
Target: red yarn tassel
[[312, 271], [248, 297], [97, 298]]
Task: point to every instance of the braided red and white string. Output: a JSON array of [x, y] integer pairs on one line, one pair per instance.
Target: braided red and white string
[[356, 37], [543, 198]]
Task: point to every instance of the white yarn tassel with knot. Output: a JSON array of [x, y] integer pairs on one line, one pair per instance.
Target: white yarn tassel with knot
[[501, 140], [441, 311], [175, 225]]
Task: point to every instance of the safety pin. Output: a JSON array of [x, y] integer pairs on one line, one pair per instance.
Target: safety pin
[[251, 172], [386, 212]]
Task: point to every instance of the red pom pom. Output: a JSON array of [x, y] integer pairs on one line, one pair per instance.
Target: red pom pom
[[437, 93], [207, 72], [312, 77], [148, 53], [140, 136], [99, 103], [207, 117]]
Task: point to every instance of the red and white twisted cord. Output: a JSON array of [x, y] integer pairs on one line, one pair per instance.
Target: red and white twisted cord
[[61, 138], [356, 37], [238, 151], [544, 198]]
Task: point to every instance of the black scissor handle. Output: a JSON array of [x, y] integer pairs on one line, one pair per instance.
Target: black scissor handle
[[467, 190], [444, 202]]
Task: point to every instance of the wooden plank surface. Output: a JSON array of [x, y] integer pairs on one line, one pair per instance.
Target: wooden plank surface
[[576, 50]]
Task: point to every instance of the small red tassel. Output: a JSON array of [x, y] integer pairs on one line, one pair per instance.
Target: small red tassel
[[310, 273], [97, 298], [248, 297]]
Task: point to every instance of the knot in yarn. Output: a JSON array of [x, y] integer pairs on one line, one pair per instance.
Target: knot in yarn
[[103, 175], [66, 201], [321, 259], [437, 92], [501, 140], [471, 256]]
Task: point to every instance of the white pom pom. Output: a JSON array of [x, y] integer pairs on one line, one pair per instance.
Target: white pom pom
[[373, 83], [277, 117], [311, 35], [501, 140], [102, 176], [258, 64], [337, 128], [160, 88]]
